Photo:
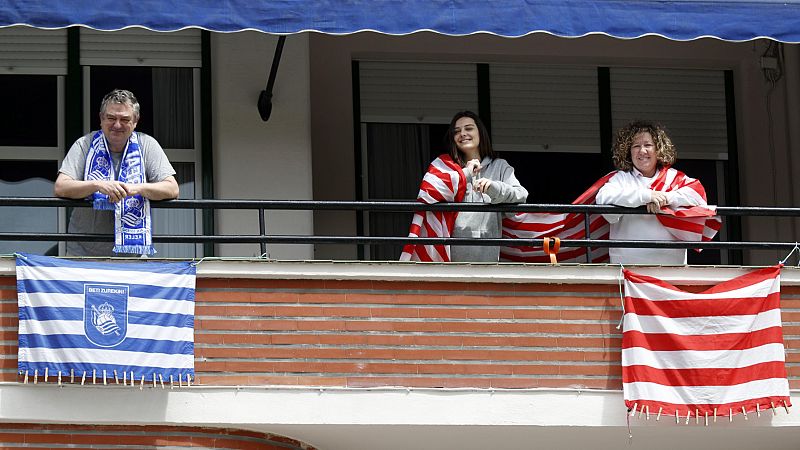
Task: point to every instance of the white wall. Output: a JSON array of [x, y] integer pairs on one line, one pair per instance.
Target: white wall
[[399, 418], [764, 170], [255, 159]]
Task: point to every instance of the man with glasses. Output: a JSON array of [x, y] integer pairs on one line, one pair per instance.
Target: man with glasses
[[120, 171]]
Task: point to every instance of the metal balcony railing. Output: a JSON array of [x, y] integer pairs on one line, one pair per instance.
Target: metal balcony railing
[[264, 238]]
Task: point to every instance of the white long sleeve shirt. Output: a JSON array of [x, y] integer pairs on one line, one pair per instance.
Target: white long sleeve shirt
[[632, 189]]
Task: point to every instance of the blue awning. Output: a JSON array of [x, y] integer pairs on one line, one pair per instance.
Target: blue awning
[[730, 20]]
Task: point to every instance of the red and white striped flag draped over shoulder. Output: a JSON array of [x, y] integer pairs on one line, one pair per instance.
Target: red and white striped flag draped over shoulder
[[693, 224], [717, 352], [444, 182]]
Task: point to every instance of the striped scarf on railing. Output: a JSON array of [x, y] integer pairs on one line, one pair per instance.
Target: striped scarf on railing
[[132, 221], [445, 182]]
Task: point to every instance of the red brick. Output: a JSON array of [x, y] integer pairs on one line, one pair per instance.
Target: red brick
[[614, 356], [443, 313], [572, 301], [368, 326], [9, 335], [357, 297], [274, 297], [321, 298], [484, 383], [281, 339], [601, 370], [299, 311], [414, 354], [210, 283], [591, 314], [379, 353], [321, 325], [549, 314], [535, 369], [579, 342], [349, 284], [490, 313], [223, 296], [11, 438], [466, 300], [394, 312], [239, 338], [581, 383], [261, 325], [440, 340], [253, 283], [46, 438], [391, 339], [401, 298], [346, 312], [434, 327], [9, 307], [789, 316], [344, 339]]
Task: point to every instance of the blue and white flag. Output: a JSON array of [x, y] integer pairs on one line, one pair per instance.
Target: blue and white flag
[[124, 320]]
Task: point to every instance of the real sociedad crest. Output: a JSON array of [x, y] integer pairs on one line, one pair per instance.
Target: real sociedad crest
[[105, 313]]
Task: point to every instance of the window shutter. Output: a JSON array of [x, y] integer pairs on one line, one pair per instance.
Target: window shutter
[[416, 92], [140, 47], [544, 108], [30, 51], [690, 103]]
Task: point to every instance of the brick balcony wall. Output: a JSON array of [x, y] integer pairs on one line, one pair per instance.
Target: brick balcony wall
[[252, 332]]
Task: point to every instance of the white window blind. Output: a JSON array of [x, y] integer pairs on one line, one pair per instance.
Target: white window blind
[[30, 51], [140, 47], [416, 92], [544, 108], [690, 103]]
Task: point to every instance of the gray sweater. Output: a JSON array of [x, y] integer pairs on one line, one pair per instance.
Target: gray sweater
[[505, 188]]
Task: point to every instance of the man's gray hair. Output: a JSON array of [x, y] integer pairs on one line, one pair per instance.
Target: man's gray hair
[[121, 96]]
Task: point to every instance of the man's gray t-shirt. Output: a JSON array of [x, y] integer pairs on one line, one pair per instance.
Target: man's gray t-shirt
[[88, 220]]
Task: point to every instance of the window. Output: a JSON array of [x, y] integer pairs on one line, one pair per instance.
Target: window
[[28, 179], [29, 140], [29, 116]]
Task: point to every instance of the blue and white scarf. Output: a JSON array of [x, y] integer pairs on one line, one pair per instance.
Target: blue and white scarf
[[132, 221]]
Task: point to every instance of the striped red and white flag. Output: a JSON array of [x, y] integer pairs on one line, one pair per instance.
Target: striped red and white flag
[[560, 225], [444, 182], [715, 353], [693, 224]]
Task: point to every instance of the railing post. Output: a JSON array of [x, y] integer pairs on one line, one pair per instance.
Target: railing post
[[262, 230], [587, 230]]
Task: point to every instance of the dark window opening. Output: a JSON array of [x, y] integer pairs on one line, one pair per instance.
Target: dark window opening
[[29, 116], [166, 100]]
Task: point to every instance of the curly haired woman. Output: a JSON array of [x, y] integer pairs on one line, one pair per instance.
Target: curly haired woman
[[643, 154]]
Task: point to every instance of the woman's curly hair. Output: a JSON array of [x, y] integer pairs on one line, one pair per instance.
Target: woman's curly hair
[[621, 152]]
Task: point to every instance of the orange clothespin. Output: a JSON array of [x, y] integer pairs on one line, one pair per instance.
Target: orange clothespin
[[552, 253]]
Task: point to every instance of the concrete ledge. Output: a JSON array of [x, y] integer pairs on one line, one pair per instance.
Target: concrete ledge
[[454, 272]]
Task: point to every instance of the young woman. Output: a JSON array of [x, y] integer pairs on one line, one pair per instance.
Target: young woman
[[470, 172]]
